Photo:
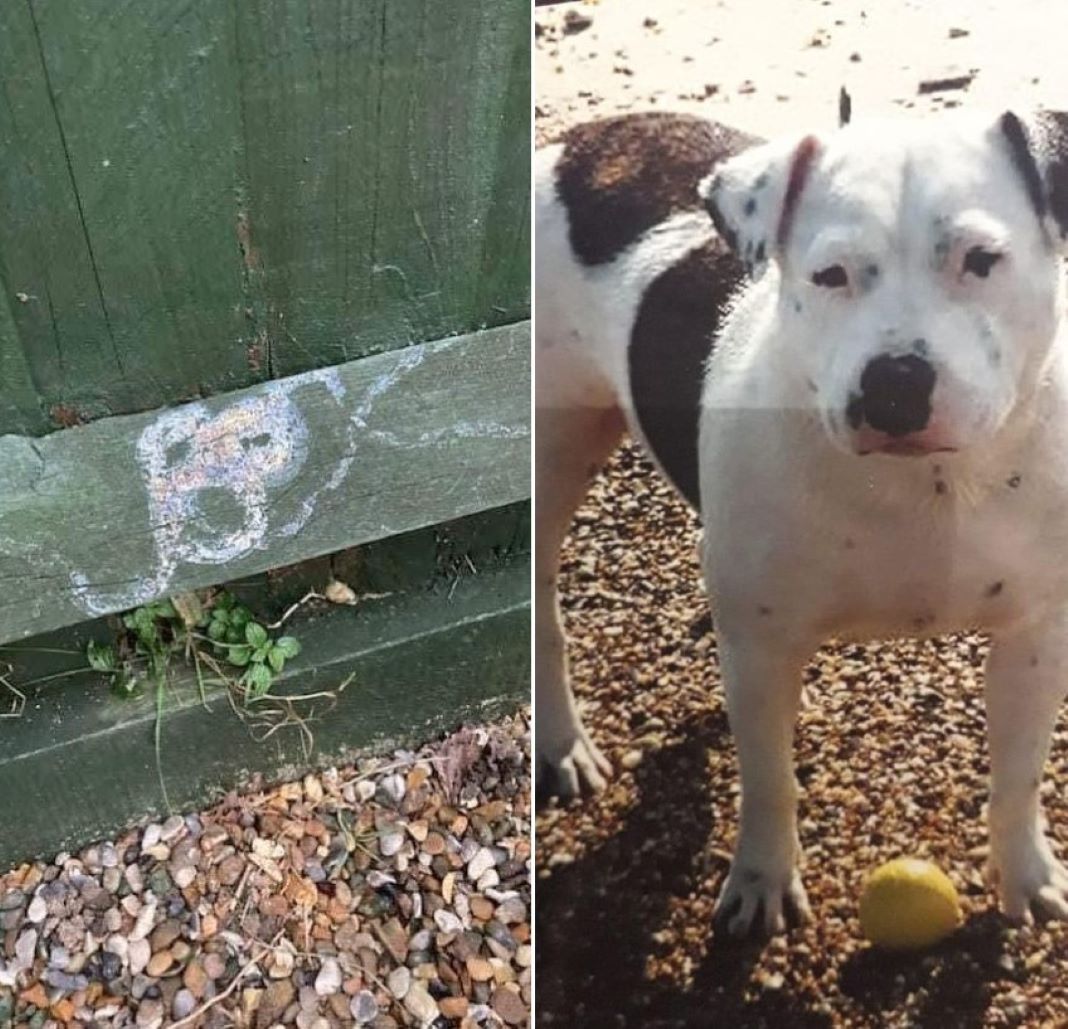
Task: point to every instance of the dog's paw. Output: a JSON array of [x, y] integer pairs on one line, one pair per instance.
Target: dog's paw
[[1030, 881], [752, 899], [572, 768]]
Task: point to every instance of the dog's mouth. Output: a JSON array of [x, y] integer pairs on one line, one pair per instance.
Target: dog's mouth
[[932, 439], [907, 448]]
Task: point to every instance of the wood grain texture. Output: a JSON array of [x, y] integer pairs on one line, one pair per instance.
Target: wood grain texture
[[102, 517], [196, 197], [82, 764]]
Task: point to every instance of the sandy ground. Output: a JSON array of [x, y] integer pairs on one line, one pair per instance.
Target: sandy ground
[[891, 754], [774, 65]]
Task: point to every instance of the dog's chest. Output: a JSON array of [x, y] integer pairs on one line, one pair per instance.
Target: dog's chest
[[945, 564], [805, 541]]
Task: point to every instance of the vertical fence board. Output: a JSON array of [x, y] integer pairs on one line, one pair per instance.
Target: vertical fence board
[[145, 95], [387, 156], [43, 251], [198, 196]]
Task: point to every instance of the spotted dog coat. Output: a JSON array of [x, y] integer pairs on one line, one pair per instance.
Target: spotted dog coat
[[622, 180], [874, 429]]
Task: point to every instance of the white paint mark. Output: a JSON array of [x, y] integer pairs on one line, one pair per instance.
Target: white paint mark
[[235, 458]]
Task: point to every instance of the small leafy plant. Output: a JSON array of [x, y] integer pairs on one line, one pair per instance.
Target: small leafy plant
[[245, 643], [245, 654]]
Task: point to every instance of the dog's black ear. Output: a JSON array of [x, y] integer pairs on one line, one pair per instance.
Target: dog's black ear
[[1039, 151], [752, 198]]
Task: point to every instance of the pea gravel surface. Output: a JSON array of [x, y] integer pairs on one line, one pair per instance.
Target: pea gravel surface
[[393, 892], [890, 751]]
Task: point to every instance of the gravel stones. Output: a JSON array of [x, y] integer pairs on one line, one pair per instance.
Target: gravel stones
[[343, 898]]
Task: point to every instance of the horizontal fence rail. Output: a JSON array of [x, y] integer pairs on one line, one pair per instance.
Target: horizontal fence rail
[[79, 763], [103, 517]]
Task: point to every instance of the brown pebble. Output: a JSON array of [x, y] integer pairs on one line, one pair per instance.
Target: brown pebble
[[395, 937], [159, 963], [481, 908], [230, 869], [479, 969], [509, 1005], [195, 979], [453, 1007], [214, 965], [276, 998], [434, 843], [165, 934]]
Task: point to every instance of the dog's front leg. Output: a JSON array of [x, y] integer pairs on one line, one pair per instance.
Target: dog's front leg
[[1026, 681], [762, 679]]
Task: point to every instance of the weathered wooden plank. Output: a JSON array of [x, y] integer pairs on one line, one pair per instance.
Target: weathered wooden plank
[[197, 197], [80, 763], [102, 517]]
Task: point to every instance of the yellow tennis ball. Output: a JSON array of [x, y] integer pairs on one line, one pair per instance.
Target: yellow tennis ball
[[908, 904]]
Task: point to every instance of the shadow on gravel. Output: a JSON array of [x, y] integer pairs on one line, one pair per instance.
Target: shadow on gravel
[[953, 982], [596, 917], [596, 920]]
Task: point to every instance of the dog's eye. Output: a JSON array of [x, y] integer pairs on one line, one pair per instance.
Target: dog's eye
[[833, 277], [979, 261]]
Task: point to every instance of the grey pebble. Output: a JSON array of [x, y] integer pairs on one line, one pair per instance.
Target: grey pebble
[[364, 1007], [67, 983], [184, 1004]]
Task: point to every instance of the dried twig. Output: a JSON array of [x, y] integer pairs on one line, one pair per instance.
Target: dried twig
[[196, 1014]]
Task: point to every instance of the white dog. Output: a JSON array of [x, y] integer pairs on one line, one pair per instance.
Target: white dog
[[878, 443]]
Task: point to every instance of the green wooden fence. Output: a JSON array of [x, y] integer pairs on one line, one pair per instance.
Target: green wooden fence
[[263, 286]]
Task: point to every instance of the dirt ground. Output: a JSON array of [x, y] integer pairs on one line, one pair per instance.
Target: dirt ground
[[891, 752]]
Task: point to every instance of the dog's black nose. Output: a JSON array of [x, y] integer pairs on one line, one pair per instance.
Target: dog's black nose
[[895, 395]]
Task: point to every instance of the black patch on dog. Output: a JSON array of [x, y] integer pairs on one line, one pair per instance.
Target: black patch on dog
[[995, 588], [764, 609], [669, 344], [1042, 162], [1023, 159], [750, 207], [618, 177], [1014, 480], [1054, 126], [940, 487]]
